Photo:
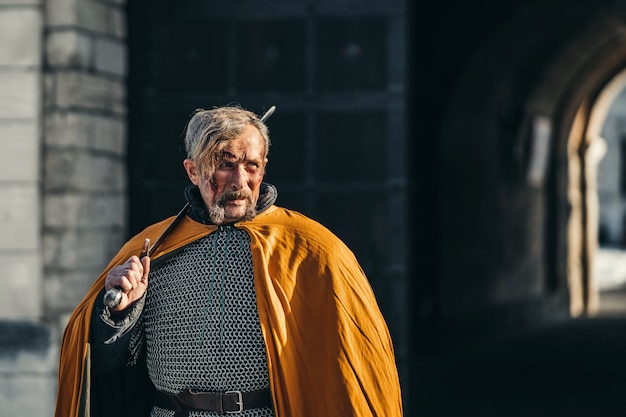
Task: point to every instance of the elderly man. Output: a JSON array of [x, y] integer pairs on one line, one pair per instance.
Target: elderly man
[[239, 306]]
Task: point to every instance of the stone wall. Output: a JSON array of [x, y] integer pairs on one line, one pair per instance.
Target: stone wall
[[84, 174], [20, 106], [63, 73], [26, 352]]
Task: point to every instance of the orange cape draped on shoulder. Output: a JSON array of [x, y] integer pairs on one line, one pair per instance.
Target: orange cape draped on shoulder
[[328, 348]]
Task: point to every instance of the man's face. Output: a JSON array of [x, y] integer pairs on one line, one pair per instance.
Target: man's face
[[232, 193]]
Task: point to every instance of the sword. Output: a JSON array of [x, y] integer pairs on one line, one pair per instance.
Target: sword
[[268, 113], [113, 296]]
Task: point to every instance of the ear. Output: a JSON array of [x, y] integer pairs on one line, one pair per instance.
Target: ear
[[192, 172]]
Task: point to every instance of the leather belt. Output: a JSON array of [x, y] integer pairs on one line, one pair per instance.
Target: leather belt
[[229, 402]]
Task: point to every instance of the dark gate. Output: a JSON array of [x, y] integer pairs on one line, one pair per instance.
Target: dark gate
[[335, 71]]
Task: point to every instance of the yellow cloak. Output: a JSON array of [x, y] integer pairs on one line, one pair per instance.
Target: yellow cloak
[[329, 351]]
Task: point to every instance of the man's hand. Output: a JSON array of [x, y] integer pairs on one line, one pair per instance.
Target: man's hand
[[131, 277]]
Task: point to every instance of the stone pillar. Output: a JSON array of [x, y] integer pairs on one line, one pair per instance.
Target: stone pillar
[[20, 104], [84, 173], [62, 178], [27, 356], [84, 148]]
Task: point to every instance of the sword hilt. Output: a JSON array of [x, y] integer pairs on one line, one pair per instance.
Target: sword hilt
[[113, 296]]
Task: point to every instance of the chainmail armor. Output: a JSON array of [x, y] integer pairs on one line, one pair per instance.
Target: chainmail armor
[[201, 323]]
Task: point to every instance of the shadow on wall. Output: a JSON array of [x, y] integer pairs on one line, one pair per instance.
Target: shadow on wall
[[28, 367]]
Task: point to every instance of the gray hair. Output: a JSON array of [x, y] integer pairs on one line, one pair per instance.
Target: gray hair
[[209, 131]]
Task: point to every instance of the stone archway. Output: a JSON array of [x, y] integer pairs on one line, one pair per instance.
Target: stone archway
[[586, 149], [582, 113], [511, 249]]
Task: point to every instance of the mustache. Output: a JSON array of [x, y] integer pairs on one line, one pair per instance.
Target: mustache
[[235, 195]]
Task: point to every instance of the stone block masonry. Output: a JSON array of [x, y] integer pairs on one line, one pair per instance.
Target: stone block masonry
[[63, 67], [24, 369], [84, 121], [20, 146]]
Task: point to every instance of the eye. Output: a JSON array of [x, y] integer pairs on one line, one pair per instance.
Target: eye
[[252, 166], [226, 165]]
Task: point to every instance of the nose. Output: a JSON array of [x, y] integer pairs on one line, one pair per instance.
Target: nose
[[239, 178]]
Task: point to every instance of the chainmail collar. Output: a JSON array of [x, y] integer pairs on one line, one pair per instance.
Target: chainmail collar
[[199, 213]]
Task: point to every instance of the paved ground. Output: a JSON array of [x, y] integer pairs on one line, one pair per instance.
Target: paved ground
[[573, 368]]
